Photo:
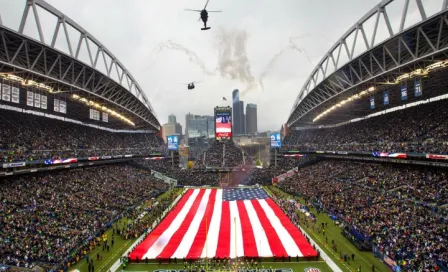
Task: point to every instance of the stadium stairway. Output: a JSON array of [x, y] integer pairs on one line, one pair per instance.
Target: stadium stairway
[[223, 154]]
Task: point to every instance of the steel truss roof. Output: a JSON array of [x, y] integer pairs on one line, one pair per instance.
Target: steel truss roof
[[43, 59], [428, 38]]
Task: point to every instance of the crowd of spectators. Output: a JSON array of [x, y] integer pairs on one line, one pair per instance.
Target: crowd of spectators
[[395, 208], [422, 128], [25, 137], [184, 177], [223, 154], [233, 155], [45, 217]]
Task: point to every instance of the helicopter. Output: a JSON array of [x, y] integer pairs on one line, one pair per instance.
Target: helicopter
[[204, 15], [191, 85]]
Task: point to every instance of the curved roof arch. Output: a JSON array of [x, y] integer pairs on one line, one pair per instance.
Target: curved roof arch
[[99, 58], [363, 37]]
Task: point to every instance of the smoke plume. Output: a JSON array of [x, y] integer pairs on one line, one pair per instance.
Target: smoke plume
[[232, 56], [291, 46], [193, 57]]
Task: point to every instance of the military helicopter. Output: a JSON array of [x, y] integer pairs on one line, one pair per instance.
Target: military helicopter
[[204, 15], [191, 85]]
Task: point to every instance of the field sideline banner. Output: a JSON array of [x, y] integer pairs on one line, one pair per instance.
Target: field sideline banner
[[14, 164]]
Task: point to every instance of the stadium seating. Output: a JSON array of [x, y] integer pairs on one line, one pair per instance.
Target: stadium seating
[[29, 137], [420, 128], [45, 217], [385, 204], [223, 154]]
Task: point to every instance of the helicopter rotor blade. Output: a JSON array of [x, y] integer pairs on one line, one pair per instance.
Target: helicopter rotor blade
[[214, 10], [206, 4], [199, 18], [193, 10]]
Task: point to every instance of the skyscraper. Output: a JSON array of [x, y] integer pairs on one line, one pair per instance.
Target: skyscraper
[[238, 114], [241, 128], [251, 119], [172, 127], [172, 118], [236, 122]]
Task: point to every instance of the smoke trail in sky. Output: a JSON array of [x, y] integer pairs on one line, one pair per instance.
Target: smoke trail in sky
[[233, 61], [291, 46], [193, 57]]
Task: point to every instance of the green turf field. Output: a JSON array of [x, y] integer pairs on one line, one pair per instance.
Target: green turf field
[[364, 260], [120, 246]]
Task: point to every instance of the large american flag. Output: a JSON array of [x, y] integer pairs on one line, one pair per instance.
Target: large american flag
[[224, 223]]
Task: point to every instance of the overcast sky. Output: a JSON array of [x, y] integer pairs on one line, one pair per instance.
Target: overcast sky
[[163, 47]]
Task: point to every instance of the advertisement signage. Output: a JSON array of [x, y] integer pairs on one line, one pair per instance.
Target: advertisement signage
[[276, 141], [173, 142], [14, 164], [223, 123]]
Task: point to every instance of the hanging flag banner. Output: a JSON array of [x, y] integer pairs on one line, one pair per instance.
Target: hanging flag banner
[[6, 93], [404, 92], [30, 99], [386, 97], [372, 102], [15, 95], [418, 87]]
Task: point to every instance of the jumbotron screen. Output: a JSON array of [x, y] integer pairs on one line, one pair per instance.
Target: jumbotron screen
[[223, 124]]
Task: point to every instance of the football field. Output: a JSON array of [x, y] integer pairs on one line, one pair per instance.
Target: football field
[[364, 259]]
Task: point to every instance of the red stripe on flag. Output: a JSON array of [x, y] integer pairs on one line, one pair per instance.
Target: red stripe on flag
[[301, 242], [223, 249], [141, 249], [249, 243], [274, 241], [199, 240], [177, 237]]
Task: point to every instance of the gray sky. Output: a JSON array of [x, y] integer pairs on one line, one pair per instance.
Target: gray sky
[[236, 52]]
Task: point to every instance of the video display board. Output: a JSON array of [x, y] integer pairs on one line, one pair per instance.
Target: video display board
[[223, 123], [276, 141], [172, 141]]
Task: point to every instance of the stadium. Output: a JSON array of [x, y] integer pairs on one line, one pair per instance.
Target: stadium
[[356, 178]]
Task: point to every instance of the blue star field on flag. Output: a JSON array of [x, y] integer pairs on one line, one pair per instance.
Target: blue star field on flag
[[244, 194]]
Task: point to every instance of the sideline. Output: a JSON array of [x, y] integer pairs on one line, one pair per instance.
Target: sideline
[[116, 266], [323, 254]]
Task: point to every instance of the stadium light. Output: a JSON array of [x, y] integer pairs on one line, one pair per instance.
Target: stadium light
[[418, 72], [343, 102], [91, 103]]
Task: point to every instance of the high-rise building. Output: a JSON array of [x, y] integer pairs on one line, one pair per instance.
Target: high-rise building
[[171, 118], [238, 114], [251, 119], [172, 127], [241, 119], [236, 120], [199, 129]]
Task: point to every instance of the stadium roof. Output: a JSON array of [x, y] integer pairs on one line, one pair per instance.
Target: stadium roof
[[378, 53], [79, 66]]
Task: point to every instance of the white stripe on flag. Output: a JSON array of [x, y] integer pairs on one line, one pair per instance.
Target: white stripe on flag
[[213, 228], [163, 240], [287, 241], [233, 214], [185, 245], [263, 247], [239, 234]]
